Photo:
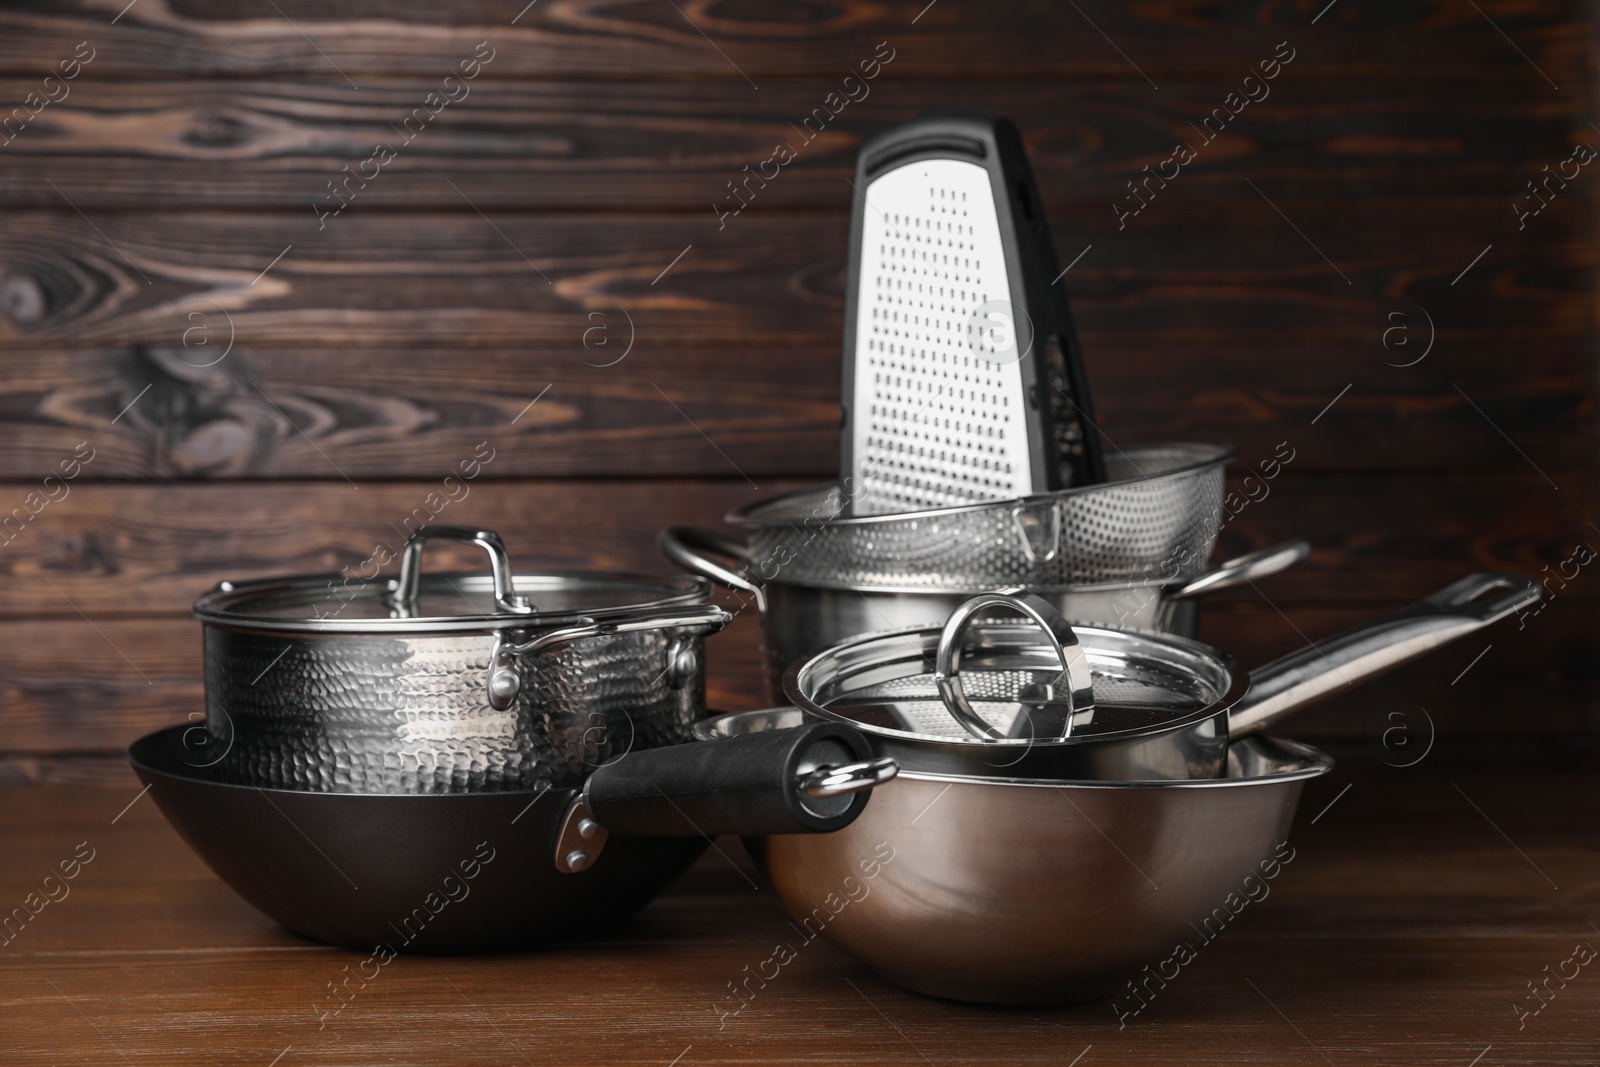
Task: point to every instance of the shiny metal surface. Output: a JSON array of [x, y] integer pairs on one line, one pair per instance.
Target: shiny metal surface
[[456, 697], [1155, 520], [800, 620], [1164, 706], [506, 597], [413, 714], [1288, 684], [580, 840], [851, 778], [1047, 707], [1160, 707], [1017, 892], [1245, 568]]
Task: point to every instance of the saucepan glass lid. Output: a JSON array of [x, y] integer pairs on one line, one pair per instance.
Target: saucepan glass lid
[[416, 603], [886, 684]]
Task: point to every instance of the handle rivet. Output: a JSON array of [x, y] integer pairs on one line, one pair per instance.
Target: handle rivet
[[683, 662], [577, 859], [587, 828], [504, 685]]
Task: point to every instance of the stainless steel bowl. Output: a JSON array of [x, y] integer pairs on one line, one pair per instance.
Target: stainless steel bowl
[[1017, 891]]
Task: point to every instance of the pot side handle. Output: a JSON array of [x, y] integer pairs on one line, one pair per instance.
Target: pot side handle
[[809, 779], [1322, 669], [683, 545], [705, 618]]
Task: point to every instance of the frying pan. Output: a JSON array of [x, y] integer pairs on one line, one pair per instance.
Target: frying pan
[[473, 872], [1022, 891], [984, 699]]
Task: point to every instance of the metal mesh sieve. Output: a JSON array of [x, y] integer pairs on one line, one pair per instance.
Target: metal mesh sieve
[[1155, 520]]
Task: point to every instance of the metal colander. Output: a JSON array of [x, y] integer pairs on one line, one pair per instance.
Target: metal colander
[[1156, 519]]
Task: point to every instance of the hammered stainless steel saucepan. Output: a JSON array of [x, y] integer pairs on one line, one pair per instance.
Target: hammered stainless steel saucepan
[[449, 682], [1018, 890], [983, 698], [799, 620]]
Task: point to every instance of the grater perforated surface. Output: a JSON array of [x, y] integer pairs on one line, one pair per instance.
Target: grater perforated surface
[[938, 396]]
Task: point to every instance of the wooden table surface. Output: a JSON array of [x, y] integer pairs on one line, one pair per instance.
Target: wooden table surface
[[1420, 905]]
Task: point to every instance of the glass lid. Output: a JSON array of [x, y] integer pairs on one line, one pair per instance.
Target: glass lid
[[414, 602], [887, 684]]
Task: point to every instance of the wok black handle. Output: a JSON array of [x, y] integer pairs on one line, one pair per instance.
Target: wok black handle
[[773, 782]]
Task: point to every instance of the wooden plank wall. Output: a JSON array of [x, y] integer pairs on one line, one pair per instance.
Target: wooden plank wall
[[266, 387]]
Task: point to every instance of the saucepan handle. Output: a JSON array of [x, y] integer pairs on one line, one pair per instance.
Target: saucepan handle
[[810, 779], [684, 546], [505, 680], [1322, 669], [506, 596], [707, 618], [1247, 568]]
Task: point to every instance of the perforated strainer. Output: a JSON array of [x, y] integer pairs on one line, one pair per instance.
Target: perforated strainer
[[962, 380], [1155, 520]]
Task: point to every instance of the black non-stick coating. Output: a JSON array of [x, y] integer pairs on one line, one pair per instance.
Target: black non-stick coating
[[392, 870]]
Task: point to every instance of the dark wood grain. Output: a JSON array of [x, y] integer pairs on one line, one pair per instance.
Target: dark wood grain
[[601, 38], [395, 413], [131, 549], [125, 553], [119, 549], [1401, 932], [76, 695], [1247, 304], [564, 145], [770, 283]]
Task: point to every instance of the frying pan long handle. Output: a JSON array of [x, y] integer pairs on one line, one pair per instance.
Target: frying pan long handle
[[683, 545], [1246, 568], [810, 779], [1322, 669]]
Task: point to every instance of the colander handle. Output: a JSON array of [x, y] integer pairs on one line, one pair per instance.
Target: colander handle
[[1029, 724], [683, 545], [1320, 670], [1036, 521], [1247, 568]]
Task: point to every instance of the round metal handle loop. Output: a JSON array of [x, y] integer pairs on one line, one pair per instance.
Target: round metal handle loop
[[1074, 664]]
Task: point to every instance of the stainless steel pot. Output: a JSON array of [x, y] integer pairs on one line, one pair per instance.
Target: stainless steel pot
[[447, 683], [981, 698], [1018, 890], [800, 619]]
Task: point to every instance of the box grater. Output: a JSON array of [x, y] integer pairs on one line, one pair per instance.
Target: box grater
[[962, 380]]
